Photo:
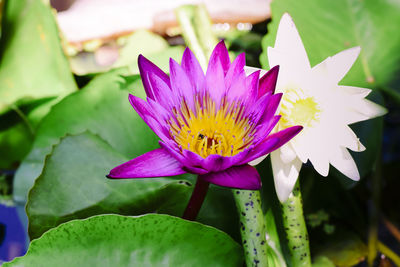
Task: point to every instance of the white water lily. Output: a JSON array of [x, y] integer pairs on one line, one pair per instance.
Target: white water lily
[[312, 98]]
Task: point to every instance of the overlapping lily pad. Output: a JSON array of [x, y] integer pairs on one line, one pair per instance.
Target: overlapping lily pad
[[101, 107], [73, 185], [150, 240]]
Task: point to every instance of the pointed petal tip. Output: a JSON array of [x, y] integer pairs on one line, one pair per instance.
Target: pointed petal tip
[[142, 60]]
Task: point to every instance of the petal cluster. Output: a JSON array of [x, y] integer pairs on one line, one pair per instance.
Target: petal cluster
[[211, 124], [312, 98]]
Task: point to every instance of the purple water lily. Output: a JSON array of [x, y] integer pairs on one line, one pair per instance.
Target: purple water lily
[[209, 124]]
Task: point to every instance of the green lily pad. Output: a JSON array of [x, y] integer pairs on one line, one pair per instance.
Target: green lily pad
[[32, 63], [150, 240], [328, 27], [101, 107], [73, 186]]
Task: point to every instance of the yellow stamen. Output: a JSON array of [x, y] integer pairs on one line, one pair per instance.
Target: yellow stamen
[[211, 130], [298, 109]]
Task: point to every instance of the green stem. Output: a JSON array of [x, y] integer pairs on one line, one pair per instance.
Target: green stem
[[388, 253], [196, 30], [374, 211], [24, 119], [295, 228], [252, 227]]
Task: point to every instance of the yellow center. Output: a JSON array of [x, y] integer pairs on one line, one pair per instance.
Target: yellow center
[[298, 109], [224, 131]]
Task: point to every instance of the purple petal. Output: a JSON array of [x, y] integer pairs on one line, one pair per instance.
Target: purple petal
[[215, 81], [237, 90], [215, 163], [236, 68], [241, 177], [270, 107], [189, 166], [268, 82], [256, 110], [220, 53], [155, 163], [180, 83], [146, 67], [273, 142], [265, 128], [142, 108], [252, 87], [264, 147], [193, 70], [162, 92]]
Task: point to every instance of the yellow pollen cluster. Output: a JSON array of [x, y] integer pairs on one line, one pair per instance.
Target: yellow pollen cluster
[[298, 109], [208, 130]]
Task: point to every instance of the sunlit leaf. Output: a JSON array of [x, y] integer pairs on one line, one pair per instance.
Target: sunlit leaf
[[32, 63], [150, 240]]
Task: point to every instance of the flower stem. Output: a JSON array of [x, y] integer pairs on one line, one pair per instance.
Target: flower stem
[[295, 228], [196, 200], [252, 227], [197, 32]]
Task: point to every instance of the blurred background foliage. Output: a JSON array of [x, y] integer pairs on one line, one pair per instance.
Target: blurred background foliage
[[65, 119]]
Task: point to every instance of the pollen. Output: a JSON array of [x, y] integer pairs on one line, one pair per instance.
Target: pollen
[[224, 130], [297, 108]]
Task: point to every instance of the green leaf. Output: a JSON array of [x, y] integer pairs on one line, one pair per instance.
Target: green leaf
[[150, 240], [18, 129], [344, 249], [32, 63], [101, 107], [16, 143], [322, 262], [73, 186], [328, 27]]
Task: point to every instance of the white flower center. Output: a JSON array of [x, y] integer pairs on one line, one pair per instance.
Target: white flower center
[[298, 108]]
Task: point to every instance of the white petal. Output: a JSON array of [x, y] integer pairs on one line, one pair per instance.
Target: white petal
[[318, 148], [370, 109], [288, 42], [352, 90], [249, 70], [347, 138], [321, 165], [285, 175], [342, 160], [258, 160], [287, 153], [338, 65]]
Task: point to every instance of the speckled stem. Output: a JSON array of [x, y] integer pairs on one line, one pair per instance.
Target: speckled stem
[[252, 227], [196, 200], [295, 228]]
